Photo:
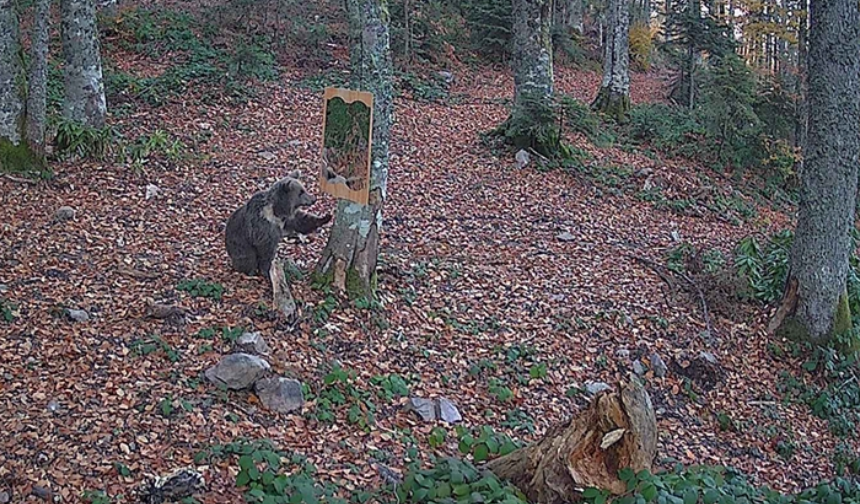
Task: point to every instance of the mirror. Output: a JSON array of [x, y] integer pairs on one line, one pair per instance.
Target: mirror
[[347, 138]]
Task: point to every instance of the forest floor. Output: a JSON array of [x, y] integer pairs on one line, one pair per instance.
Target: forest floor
[[475, 285]]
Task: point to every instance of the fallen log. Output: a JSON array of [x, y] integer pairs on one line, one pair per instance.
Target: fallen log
[[617, 431]]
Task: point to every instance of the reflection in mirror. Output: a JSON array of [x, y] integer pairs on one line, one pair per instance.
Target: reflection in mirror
[[346, 144]]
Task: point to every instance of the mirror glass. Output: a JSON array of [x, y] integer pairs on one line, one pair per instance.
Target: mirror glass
[[346, 144]]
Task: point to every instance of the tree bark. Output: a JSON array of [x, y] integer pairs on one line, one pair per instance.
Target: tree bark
[[828, 183], [802, 114], [614, 96], [84, 87], [532, 53], [576, 15], [11, 75], [348, 262], [617, 431], [38, 81]]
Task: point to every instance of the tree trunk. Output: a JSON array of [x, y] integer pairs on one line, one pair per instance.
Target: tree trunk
[[84, 87], [348, 262], [11, 77], [802, 114], [38, 82], [617, 431], [532, 53], [815, 305], [576, 15], [614, 96]]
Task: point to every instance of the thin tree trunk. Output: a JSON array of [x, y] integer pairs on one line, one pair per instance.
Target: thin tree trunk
[[617, 431], [816, 305], [38, 82], [576, 15], [11, 76], [348, 262], [614, 95], [802, 114], [84, 87], [407, 48]]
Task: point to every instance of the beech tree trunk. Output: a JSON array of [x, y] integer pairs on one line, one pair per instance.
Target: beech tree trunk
[[815, 306], [576, 15], [11, 76], [532, 51], [617, 431], [38, 81], [84, 87], [348, 262], [802, 114], [613, 98]]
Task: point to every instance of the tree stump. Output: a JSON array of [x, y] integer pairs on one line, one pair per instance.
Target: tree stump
[[617, 431], [283, 298]]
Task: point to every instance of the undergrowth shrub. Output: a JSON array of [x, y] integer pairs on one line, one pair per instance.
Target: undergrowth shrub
[[436, 27], [571, 46], [75, 139], [674, 130], [580, 118], [454, 480], [641, 46], [764, 265], [533, 124], [490, 26]]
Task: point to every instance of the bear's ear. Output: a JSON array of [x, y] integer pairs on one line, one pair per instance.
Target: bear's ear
[[296, 174]]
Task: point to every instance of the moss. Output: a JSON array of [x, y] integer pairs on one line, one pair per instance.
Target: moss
[[613, 105], [19, 159], [842, 318], [792, 330], [322, 280], [356, 287]]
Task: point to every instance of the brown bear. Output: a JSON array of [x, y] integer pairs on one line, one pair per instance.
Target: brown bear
[[255, 229]]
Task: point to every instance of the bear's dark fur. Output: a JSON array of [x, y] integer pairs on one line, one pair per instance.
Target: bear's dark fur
[[255, 229]]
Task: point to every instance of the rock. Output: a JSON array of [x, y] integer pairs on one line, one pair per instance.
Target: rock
[[448, 412], [622, 353], [53, 406], [425, 408], [5, 498], [639, 368], [4, 288], [282, 395], [446, 75], [658, 366], [676, 236], [708, 357], [78, 315], [174, 487], [253, 343], [152, 191], [294, 143], [42, 493], [565, 236], [204, 126], [64, 213], [595, 388], [237, 371], [643, 172], [523, 158], [268, 156]]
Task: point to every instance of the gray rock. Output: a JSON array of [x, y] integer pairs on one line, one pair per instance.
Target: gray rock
[[253, 343], [565, 236], [595, 388], [622, 353], [294, 143], [708, 357], [64, 213], [268, 156], [53, 406], [5, 498], [282, 395], [446, 75], [152, 191], [424, 408], [639, 368], [448, 412], [659, 367], [78, 315], [4, 288], [237, 371], [523, 158]]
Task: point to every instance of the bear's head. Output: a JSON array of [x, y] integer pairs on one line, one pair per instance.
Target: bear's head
[[289, 194]]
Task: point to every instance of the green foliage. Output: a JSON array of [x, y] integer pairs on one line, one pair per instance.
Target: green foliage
[[437, 437], [572, 47], [435, 26], [326, 78], [75, 139], [340, 391], [97, 497], [432, 89], [829, 385], [846, 460], [519, 421], [20, 159], [499, 390], [764, 266], [153, 343], [580, 118], [270, 476], [673, 130], [453, 480], [201, 288], [715, 485], [159, 143], [484, 443], [490, 25], [8, 311], [390, 386]]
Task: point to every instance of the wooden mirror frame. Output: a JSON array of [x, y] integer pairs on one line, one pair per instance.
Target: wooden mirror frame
[[342, 190]]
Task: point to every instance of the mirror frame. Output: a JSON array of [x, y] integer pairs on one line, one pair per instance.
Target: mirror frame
[[341, 190]]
